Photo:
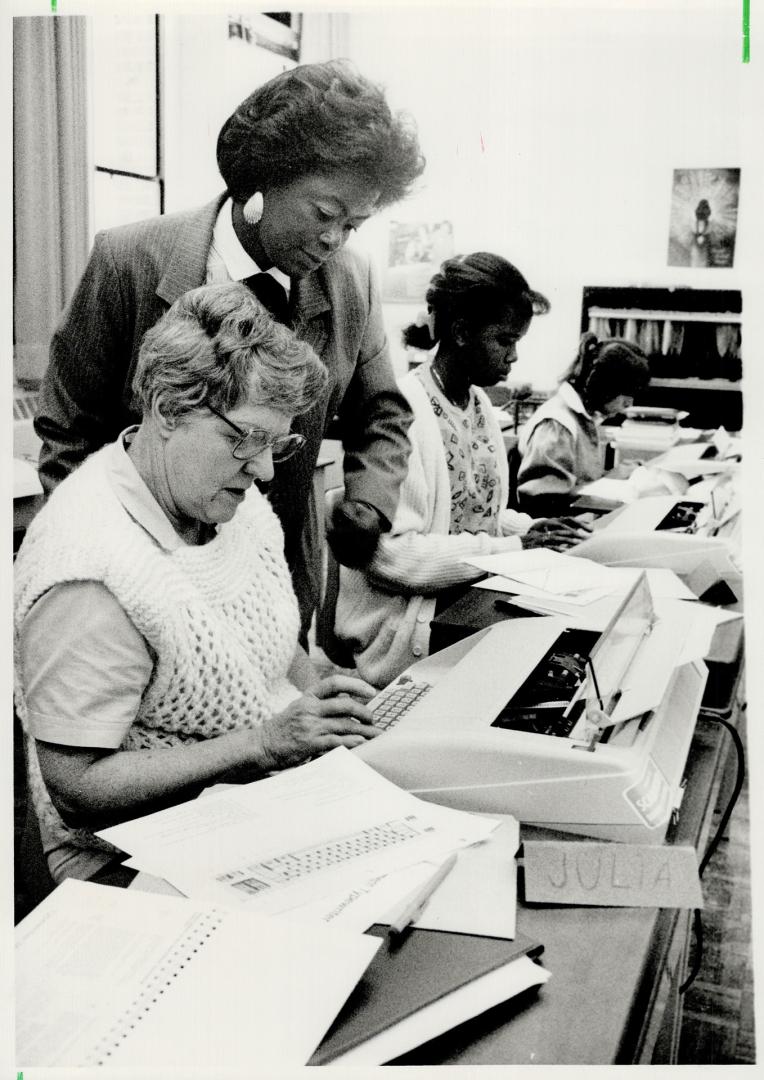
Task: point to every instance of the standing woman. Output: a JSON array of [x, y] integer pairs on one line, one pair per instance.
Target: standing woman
[[560, 445], [454, 498], [306, 159]]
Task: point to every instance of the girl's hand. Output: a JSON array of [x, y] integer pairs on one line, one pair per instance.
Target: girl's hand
[[559, 534]]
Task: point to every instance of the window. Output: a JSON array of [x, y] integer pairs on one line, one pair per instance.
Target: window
[[278, 31]]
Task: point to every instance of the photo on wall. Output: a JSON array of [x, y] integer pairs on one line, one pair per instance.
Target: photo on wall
[[415, 252], [703, 222]]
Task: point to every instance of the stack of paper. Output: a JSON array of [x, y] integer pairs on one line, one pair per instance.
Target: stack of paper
[[331, 840], [693, 460], [135, 981], [587, 594]]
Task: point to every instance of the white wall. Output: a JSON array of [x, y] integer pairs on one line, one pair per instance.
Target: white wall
[[552, 134], [205, 76]]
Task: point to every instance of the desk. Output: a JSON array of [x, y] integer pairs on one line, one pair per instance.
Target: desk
[[613, 996]]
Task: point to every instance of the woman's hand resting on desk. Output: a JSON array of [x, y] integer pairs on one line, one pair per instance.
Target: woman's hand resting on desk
[[556, 533], [332, 713]]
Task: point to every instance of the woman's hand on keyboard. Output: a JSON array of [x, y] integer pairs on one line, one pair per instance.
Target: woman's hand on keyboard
[[332, 713], [556, 533]]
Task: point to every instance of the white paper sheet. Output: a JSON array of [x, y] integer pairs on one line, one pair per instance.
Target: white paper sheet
[[619, 491], [511, 562], [211, 987], [613, 581], [551, 573], [286, 841], [695, 623], [479, 896]]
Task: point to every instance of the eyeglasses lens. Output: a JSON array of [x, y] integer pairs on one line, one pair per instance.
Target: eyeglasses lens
[[282, 447]]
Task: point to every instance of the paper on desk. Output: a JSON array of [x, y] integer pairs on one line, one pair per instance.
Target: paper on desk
[[479, 895], [514, 588], [509, 563], [695, 623], [615, 581], [620, 491], [592, 615], [726, 444], [232, 984], [560, 574], [308, 832]]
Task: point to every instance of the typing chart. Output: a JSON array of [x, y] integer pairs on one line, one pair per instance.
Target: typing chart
[[296, 865]]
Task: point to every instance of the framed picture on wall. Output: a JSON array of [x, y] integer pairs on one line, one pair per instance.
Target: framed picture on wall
[[703, 223], [415, 251]]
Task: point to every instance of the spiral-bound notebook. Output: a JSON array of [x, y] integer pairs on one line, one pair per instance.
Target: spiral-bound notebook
[[138, 980]]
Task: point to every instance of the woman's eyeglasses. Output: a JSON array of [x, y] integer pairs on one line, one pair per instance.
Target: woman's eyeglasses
[[254, 441]]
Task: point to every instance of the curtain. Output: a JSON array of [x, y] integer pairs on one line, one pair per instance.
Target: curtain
[[50, 180]]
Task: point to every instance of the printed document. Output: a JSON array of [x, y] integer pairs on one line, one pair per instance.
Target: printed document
[[136, 980], [277, 844]]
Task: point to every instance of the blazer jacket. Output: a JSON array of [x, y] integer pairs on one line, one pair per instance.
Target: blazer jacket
[[133, 275]]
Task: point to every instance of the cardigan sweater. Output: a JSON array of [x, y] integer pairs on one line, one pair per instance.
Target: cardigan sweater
[[383, 614], [220, 619]]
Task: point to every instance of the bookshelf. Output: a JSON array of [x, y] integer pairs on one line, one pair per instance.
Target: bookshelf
[[693, 338]]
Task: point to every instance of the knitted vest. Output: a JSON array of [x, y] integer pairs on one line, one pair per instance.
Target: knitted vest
[[221, 619]]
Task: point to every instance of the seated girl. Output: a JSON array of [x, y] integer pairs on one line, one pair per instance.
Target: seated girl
[[560, 445], [453, 502]]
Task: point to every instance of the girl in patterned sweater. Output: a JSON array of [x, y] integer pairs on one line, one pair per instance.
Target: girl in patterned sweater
[[453, 502]]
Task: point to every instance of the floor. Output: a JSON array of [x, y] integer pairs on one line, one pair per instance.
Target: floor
[[718, 1019]]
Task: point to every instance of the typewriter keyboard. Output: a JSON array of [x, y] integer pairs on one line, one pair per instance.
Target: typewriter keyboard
[[396, 700]]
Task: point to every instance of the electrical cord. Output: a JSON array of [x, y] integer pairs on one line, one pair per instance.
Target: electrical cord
[[714, 843]]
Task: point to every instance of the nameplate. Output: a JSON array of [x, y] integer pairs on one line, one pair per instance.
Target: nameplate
[[611, 874]]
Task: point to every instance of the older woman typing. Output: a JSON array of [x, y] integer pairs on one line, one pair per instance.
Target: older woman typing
[[156, 624]]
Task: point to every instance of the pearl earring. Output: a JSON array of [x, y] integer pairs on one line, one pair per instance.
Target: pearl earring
[[253, 208]]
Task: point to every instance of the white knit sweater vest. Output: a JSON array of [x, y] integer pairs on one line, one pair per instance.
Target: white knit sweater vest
[[221, 619]]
